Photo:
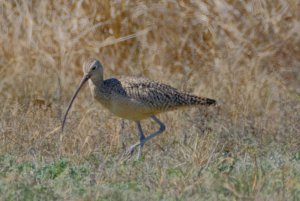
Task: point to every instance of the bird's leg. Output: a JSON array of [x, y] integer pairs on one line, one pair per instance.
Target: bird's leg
[[162, 128], [142, 137]]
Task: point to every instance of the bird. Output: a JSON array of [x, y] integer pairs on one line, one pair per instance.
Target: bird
[[134, 98]]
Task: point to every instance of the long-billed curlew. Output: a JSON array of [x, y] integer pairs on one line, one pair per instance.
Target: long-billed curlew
[[134, 98]]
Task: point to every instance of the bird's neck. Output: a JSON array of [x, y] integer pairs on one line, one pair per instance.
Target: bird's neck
[[97, 81]]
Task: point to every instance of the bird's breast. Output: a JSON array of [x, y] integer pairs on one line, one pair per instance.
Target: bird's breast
[[121, 104]]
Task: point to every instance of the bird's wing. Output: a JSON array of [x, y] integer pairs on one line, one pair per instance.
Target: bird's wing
[[152, 93]]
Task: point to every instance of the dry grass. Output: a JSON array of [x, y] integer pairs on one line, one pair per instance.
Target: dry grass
[[245, 54]]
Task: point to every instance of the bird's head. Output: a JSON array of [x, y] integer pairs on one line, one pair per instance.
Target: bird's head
[[92, 69]]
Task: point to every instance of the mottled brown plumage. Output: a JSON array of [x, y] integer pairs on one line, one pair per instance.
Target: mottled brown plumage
[[139, 98], [135, 98]]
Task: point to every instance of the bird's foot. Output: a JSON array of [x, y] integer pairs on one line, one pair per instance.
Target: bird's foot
[[128, 154], [131, 150]]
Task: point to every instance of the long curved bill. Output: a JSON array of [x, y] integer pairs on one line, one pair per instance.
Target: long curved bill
[[83, 80]]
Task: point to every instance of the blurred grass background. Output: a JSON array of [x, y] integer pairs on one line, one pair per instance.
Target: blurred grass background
[[244, 54]]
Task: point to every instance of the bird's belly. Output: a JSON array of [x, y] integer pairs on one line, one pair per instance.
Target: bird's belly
[[129, 109]]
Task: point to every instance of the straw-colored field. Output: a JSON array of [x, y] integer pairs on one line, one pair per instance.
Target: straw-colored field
[[244, 54]]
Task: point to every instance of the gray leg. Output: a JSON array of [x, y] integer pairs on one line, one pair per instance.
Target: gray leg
[[162, 128], [142, 137]]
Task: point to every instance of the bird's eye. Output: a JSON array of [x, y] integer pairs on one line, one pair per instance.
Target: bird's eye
[[94, 68]]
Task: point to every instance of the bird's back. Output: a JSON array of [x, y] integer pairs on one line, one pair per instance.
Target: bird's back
[[138, 98]]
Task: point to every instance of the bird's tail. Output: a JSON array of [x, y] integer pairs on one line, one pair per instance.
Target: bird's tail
[[190, 99]]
